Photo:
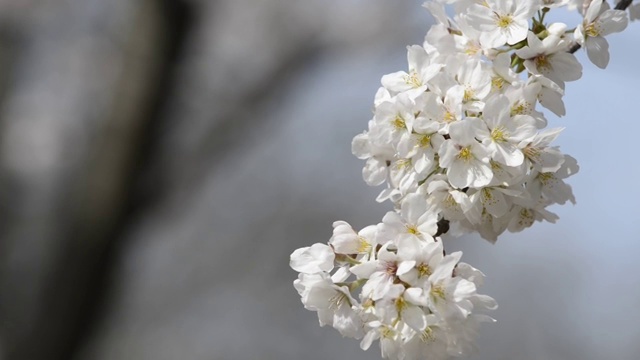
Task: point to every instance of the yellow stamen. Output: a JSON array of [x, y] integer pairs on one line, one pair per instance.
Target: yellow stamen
[[427, 335], [545, 178], [424, 270], [437, 292], [499, 134], [449, 116], [465, 154], [413, 230], [521, 108], [400, 304], [504, 21], [542, 62], [363, 245], [497, 83], [413, 80], [398, 122], [424, 141], [469, 94], [592, 30]]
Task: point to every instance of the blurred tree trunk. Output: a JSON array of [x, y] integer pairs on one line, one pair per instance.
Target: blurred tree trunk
[[114, 112], [86, 83]]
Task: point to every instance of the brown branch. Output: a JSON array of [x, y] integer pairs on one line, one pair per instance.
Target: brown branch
[[443, 227], [622, 5]]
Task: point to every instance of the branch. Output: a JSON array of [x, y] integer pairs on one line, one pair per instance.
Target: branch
[[622, 5]]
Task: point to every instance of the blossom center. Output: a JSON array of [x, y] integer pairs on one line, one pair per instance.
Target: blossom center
[[499, 134], [471, 49], [542, 62], [532, 152], [503, 21], [497, 82], [592, 30], [400, 304], [411, 229], [449, 116], [363, 245], [398, 122], [425, 141], [437, 291], [522, 108], [386, 333], [465, 154], [403, 164], [424, 270], [413, 80], [545, 178], [526, 218], [469, 94], [449, 201], [427, 335], [391, 268], [337, 300]]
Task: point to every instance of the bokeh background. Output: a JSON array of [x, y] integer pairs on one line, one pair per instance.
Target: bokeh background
[[160, 160]]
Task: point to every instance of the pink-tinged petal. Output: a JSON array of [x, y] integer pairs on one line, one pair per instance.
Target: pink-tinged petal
[[598, 51]]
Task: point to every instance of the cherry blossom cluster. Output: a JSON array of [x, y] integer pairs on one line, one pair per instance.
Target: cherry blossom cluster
[[461, 142], [417, 301]]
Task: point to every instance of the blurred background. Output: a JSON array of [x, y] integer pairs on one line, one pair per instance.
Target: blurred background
[[160, 160]]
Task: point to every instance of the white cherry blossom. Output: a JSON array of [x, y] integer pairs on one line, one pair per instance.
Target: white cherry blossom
[[599, 21], [502, 21]]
